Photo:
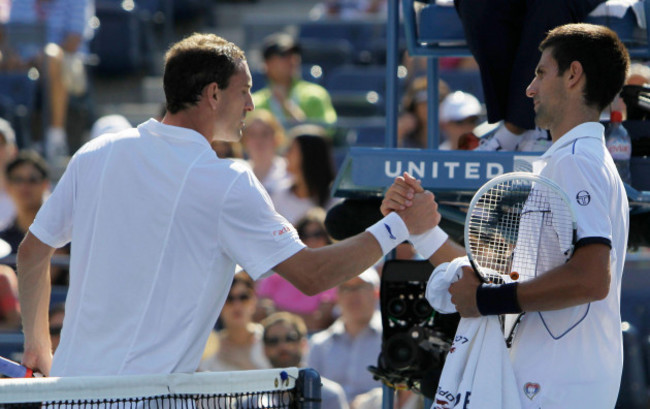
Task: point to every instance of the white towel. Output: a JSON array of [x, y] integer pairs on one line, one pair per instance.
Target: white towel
[[478, 372]]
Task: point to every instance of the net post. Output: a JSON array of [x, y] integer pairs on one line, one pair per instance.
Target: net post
[[308, 387]]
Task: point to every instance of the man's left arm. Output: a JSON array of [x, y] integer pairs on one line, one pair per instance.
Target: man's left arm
[[584, 278], [34, 288]]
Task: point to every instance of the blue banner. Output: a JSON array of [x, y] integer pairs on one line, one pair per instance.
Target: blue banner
[[438, 170]]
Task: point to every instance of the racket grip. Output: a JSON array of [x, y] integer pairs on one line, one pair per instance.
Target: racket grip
[[14, 369]]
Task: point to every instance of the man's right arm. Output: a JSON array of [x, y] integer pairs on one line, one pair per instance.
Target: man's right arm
[[315, 270], [34, 288]]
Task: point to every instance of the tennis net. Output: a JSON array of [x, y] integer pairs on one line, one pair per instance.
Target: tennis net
[[269, 388]]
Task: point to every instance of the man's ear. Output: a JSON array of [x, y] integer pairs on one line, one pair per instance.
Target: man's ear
[[575, 73], [212, 93]]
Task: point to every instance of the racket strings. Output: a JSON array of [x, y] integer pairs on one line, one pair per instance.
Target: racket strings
[[518, 229]]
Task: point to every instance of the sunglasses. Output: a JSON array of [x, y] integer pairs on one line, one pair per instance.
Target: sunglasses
[[55, 330], [289, 339], [241, 298], [32, 180]]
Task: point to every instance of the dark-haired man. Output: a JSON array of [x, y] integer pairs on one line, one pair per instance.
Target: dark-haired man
[[289, 97], [568, 350], [159, 221]]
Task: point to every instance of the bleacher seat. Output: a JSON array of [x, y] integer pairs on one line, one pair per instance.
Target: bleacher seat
[[19, 96], [356, 78], [366, 135], [326, 53], [118, 41]]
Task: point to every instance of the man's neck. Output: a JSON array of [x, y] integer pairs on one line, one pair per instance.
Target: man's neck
[[583, 115]]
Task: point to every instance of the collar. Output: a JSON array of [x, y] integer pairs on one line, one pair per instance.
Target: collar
[[176, 132], [585, 130]]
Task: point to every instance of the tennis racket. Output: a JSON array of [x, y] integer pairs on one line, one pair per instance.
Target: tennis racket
[[14, 369], [518, 226]]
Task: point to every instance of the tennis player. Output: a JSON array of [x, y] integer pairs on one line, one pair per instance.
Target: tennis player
[[568, 351], [158, 223]]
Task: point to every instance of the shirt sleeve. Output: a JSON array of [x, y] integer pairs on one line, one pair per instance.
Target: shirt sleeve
[[53, 222], [254, 235], [585, 183]]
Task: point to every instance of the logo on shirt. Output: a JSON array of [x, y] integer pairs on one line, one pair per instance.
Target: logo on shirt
[[531, 389], [583, 198], [283, 229], [390, 232]]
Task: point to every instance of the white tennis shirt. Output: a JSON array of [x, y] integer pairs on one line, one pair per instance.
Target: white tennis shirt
[[573, 358], [157, 224]]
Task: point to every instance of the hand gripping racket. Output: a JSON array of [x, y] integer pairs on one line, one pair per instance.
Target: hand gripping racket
[[518, 226], [14, 369]]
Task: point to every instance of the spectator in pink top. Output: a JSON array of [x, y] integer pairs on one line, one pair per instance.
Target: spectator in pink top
[[316, 311]]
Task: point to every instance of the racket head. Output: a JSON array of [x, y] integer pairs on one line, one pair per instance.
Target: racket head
[[518, 226]]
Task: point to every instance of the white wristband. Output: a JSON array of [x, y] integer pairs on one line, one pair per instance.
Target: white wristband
[[429, 242], [389, 232]]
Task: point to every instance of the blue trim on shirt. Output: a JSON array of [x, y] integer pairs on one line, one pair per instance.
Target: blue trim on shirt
[[592, 240], [568, 330]]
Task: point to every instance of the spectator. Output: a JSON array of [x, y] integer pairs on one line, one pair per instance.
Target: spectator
[[354, 339], [9, 306], [503, 37], [240, 341], [68, 36], [316, 310], [459, 115], [310, 163], [412, 123], [262, 137], [285, 345], [639, 74], [7, 153], [56, 315], [109, 124], [28, 181], [290, 98]]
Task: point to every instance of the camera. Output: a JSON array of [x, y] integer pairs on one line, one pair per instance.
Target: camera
[[415, 338]]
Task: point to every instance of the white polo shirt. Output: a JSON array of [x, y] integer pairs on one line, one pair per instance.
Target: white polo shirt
[[573, 358], [157, 224]]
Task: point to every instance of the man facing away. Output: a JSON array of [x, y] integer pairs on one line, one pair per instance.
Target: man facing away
[[159, 223]]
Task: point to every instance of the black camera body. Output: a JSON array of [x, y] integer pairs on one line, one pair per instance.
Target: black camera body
[[415, 338]]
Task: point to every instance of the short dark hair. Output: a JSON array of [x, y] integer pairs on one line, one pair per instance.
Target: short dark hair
[[601, 53], [195, 62], [30, 157]]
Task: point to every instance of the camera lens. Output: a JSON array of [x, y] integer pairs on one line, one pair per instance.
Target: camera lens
[[396, 307], [401, 352], [422, 309]]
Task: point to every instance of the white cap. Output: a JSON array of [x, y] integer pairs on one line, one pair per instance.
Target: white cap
[[109, 124], [8, 131], [5, 248], [458, 106]]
